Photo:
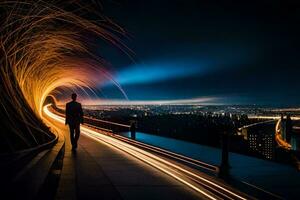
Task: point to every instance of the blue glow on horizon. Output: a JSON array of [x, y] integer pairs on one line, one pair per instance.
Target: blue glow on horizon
[[154, 72]]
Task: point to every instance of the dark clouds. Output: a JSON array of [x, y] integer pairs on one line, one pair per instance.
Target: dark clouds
[[254, 46]]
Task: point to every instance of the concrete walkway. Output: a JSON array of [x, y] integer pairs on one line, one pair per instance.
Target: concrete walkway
[[99, 171]]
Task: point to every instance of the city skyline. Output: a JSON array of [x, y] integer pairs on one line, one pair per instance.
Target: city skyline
[[130, 99]]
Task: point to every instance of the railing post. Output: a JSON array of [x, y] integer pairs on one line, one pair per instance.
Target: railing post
[[132, 130], [224, 167]]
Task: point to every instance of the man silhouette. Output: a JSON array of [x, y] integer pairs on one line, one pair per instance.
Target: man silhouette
[[74, 116]]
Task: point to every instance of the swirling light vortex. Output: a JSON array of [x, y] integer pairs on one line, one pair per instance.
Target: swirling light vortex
[[48, 50], [45, 47]]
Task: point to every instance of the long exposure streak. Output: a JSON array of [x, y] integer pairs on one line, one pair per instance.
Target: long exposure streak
[[184, 176]]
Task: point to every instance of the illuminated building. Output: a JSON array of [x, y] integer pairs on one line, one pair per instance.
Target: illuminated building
[[261, 140], [283, 128]]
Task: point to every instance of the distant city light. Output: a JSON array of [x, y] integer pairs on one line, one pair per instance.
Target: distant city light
[[194, 101]]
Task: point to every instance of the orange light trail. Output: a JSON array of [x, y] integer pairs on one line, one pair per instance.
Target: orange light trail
[[45, 51], [185, 159], [278, 137], [188, 177]]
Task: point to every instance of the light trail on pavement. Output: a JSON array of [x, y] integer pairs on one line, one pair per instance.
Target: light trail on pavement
[[201, 184]]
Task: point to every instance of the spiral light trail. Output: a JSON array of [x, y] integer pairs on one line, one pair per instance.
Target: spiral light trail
[[46, 48]]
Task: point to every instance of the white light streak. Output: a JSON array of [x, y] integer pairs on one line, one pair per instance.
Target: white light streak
[[179, 173]]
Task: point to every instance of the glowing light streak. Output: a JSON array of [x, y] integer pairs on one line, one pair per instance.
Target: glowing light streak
[[44, 50], [185, 159], [159, 71], [171, 154], [254, 124], [275, 117], [194, 101], [278, 137], [167, 167]]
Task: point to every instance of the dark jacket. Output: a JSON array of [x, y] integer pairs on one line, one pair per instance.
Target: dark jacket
[[74, 113]]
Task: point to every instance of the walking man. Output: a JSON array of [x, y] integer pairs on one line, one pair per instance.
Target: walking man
[[74, 117]]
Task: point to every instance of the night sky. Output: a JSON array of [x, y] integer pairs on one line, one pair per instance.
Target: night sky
[[238, 51]]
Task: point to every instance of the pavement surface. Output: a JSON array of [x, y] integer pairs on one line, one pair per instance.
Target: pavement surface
[[99, 171]]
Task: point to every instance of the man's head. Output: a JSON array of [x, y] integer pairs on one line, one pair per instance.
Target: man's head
[[74, 96]]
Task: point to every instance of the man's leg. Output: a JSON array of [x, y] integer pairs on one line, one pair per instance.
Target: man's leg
[[77, 134], [72, 135]]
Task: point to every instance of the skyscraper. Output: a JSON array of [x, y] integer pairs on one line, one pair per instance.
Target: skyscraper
[[261, 140]]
